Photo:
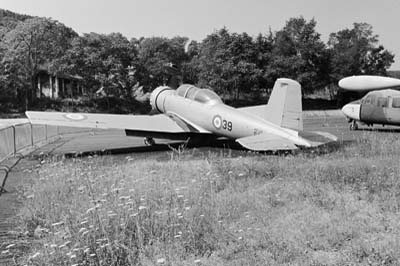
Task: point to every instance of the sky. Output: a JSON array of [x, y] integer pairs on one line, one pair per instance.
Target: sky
[[197, 19]]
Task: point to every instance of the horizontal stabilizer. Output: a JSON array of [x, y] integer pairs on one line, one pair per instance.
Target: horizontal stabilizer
[[317, 138], [266, 142]]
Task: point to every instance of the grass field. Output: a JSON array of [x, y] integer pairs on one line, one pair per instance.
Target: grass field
[[336, 208]]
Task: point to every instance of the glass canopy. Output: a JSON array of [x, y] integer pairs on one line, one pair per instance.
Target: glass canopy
[[200, 95]]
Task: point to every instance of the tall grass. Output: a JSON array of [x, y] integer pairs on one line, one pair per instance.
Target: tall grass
[[339, 208]]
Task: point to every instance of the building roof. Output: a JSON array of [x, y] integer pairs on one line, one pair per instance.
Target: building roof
[[44, 69]]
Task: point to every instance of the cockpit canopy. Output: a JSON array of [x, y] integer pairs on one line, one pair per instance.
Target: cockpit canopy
[[199, 95]]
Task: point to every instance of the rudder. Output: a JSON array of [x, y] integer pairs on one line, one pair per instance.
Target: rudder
[[284, 106]]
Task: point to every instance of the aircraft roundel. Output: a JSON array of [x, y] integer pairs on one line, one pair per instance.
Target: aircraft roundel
[[75, 117], [217, 121]]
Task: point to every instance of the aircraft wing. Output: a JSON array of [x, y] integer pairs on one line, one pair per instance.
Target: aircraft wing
[[135, 125], [266, 142]]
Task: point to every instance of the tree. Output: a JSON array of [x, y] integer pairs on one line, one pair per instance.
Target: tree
[[32, 43], [107, 61], [227, 62], [154, 54], [355, 51], [299, 53]]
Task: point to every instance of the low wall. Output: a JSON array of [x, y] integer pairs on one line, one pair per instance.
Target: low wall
[[19, 137]]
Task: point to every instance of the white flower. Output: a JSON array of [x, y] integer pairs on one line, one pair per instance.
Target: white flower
[[161, 261]]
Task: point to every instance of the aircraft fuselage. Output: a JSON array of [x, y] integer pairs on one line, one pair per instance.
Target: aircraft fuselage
[[220, 119], [377, 107]]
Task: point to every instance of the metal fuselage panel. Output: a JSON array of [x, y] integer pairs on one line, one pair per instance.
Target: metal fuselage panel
[[220, 119], [370, 113]]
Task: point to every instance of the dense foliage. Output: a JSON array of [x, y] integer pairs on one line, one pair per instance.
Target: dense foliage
[[233, 64]]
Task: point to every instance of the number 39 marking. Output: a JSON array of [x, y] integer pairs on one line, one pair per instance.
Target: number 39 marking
[[220, 123], [227, 125]]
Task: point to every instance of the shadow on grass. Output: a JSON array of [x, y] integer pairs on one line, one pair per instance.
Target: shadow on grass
[[229, 147]]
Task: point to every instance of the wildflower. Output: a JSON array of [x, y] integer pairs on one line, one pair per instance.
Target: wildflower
[[124, 198], [10, 246], [57, 224], [81, 230], [65, 244], [35, 255], [197, 261], [5, 251], [90, 209], [161, 261], [142, 208]]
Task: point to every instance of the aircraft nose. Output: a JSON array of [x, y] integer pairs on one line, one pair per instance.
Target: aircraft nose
[[352, 110]]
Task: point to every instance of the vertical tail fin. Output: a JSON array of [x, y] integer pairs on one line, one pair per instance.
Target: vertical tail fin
[[284, 106]]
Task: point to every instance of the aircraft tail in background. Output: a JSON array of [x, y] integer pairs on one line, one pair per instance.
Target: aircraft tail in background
[[284, 106]]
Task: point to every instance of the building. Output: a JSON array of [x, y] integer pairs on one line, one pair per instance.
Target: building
[[58, 86]]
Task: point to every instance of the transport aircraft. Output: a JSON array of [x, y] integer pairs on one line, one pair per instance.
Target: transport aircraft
[[199, 114], [381, 105]]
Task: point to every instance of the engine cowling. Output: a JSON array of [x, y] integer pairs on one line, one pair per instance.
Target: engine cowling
[[157, 98]]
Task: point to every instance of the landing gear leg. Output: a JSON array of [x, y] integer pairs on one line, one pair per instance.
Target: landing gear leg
[[149, 141], [354, 125]]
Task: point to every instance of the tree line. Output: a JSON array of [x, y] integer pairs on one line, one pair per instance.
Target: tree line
[[233, 64]]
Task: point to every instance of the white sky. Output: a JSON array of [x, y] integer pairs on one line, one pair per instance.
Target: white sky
[[197, 19]]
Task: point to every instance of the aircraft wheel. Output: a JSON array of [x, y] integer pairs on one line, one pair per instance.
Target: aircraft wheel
[[354, 125], [149, 141]]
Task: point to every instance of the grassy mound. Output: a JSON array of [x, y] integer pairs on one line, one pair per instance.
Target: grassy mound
[[340, 208]]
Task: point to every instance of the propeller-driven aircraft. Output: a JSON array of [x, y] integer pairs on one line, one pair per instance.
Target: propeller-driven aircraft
[[381, 105], [193, 113]]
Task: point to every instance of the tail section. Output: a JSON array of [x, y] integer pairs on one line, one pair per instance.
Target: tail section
[[284, 106]]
